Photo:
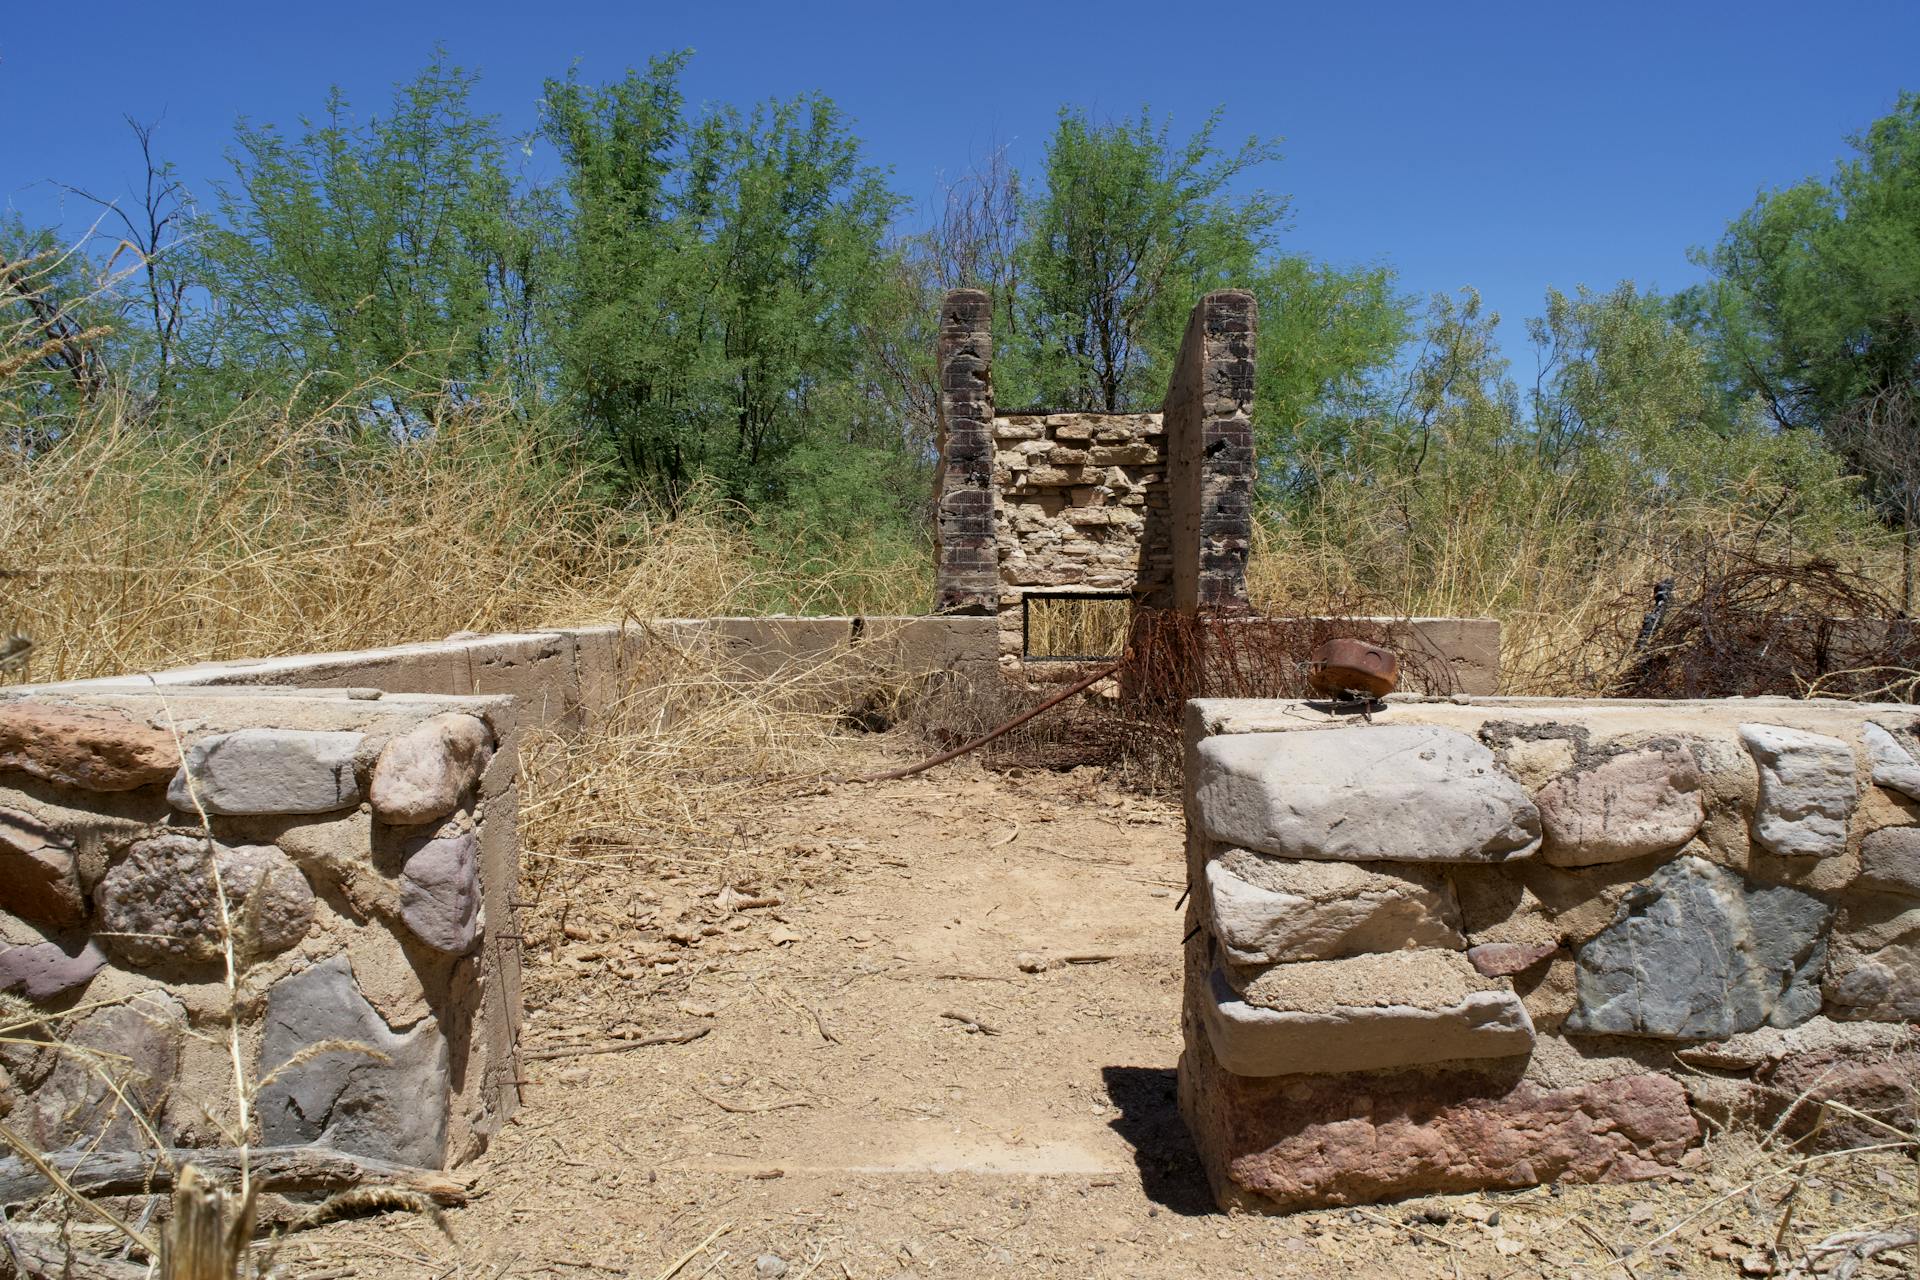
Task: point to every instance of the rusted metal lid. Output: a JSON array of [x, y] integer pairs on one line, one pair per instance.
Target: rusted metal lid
[[1347, 666]]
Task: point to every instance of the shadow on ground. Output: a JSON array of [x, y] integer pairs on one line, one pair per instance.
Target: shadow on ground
[[1170, 1172]]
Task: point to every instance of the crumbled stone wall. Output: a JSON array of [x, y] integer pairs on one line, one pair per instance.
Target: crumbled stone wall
[[1483, 943], [1082, 507], [367, 851], [1157, 506]]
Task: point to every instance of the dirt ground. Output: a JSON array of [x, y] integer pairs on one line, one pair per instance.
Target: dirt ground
[[882, 1090]]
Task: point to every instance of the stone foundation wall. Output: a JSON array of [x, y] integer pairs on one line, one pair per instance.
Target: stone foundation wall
[[362, 812], [366, 847], [1487, 943]]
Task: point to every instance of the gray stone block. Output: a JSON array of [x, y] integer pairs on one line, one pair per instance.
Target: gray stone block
[[1883, 985], [1697, 953], [1807, 790], [440, 892], [1370, 793], [1890, 862], [269, 771], [135, 1046], [392, 1108]]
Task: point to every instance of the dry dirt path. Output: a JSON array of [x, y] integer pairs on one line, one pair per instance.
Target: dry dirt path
[[836, 1121]]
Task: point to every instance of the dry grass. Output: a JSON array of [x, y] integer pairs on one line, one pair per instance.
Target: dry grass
[[687, 740], [267, 535], [1568, 579]]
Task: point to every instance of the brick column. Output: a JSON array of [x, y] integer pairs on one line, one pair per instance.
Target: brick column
[[966, 574], [1210, 465]]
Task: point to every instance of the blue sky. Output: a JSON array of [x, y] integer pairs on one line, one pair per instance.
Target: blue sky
[[1509, 147]]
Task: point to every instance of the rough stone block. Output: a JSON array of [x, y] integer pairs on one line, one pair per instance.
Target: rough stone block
[[1893, 765], [1265, 911], [440, 891], [422, 774], [268, 771], [1882, 985], [1632, 805], [47, 970], [1504, 959], [94, 748], [1361, 1014], [1313, 1141], [37, 880], [160, 903], [137, 1046], [1807, 790], [1401, 793], [394, 1109], [1771, 1078], [1890, 861], [1697, 953], [1128, 455]]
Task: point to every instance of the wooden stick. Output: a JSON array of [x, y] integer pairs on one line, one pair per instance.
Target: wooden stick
[[694, 1252], [754, 1108], [617, 1046], [119, 1173]]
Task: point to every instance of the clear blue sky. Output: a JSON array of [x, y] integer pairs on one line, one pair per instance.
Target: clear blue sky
[[1504, 146]]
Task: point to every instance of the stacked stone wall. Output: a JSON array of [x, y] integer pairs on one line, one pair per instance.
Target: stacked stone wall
[[1489, 943], [361, 813], [1082, 507], [366, 848]]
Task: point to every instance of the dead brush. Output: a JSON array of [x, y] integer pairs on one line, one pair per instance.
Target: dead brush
[[1131, 726], [1824, 1190], [1736, 622], [1566, 574]]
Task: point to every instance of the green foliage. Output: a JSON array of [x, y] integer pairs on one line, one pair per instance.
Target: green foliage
[[389, 265], [1326, 337], [1815, 301], [706, 311], [718, 272], [1127, 234]]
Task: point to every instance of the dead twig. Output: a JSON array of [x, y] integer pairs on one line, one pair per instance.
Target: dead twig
[[618, 1046], [1856, 1249], [753, 1108], [694, 1252], [971, 1023]]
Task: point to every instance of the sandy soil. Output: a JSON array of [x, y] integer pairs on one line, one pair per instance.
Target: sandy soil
[[882, 1091]]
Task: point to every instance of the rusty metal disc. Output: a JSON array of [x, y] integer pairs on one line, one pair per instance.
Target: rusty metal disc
[[1346, 666]]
